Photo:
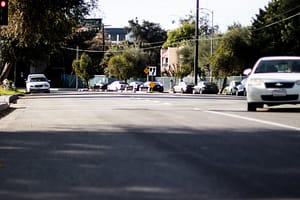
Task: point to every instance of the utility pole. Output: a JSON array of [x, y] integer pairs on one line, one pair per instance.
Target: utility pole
[[77, 58], [196, 43], [103, 39]]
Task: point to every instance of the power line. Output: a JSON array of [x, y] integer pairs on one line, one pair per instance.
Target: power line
[[142, 48], [277, 22]]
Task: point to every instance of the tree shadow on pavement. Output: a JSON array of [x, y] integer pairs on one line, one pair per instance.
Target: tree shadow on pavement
[[150, 163]]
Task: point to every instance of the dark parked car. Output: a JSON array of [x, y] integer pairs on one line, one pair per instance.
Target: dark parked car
[[183, 87], [204, 87], [134, 86], [100, 86], [156, 86]]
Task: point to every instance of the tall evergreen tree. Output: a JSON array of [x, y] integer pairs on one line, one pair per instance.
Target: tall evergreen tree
[[276, 29]]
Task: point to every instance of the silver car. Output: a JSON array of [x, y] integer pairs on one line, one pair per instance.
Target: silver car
[[273, 81], [241, 88]]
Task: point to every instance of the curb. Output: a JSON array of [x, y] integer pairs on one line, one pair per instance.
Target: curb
[[6, 100], [3, 106]]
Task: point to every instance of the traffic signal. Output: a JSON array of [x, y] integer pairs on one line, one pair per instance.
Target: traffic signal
[[3, 12]]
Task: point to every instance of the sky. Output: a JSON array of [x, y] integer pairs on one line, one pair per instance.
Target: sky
[[117, 13]]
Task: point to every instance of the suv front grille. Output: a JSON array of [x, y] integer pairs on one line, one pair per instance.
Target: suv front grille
[[280, 98], [280, 85]]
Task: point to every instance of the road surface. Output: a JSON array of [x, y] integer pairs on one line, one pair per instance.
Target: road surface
[[147, 146]]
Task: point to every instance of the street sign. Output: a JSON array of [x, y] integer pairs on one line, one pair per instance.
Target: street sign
[[152, 84], [152, 70], [146, 70]]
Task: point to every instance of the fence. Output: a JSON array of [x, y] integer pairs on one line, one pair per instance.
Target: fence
[[69, 81]]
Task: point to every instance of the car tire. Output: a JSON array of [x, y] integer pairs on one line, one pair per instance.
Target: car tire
[[251, 107]]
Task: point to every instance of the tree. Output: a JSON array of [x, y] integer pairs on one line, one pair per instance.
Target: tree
[[37, 27], [186, 31], [36, 22], [184, 37], [147, 32], [148, 36], [127, 64], [180, 36], [84, 68], [233, 53], [275, 30], [186, 61]]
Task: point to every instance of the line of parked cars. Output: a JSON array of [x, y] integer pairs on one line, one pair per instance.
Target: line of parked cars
[[202, 87], [132, 86]]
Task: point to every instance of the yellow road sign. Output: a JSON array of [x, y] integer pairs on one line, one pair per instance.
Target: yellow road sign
[[152, 84], [146, 70]]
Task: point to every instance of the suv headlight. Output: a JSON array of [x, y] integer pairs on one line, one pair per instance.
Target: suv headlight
[[255, 82]]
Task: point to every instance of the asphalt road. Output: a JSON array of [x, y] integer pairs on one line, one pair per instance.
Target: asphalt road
[[73, 146]]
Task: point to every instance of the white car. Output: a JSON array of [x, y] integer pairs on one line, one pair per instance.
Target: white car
[[232, 88], [183, 87], [273, 81], [37, 83], [116, 86]]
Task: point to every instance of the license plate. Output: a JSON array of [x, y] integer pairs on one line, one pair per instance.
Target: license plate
[[279, 93]]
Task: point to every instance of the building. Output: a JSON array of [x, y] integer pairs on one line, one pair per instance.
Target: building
[[116, 35], [168, 61]]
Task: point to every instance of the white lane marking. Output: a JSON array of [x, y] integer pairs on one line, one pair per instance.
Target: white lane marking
[[255, 120]]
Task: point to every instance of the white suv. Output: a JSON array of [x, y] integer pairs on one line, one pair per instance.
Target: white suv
[[273, 81], [37, 83]]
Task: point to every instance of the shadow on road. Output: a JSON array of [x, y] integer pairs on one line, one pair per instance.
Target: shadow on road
[[150, 163]]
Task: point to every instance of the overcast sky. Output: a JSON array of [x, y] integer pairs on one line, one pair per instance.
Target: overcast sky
[[117, 13]]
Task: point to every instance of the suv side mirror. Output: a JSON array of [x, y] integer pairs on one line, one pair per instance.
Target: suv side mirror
[[247, 71]]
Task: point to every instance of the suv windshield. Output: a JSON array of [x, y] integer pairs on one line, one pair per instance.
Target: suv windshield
[[38, 79], [280, 66]]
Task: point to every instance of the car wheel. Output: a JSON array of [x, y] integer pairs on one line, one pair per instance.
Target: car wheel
[[254, 106], [232, 92], [251, 107]]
